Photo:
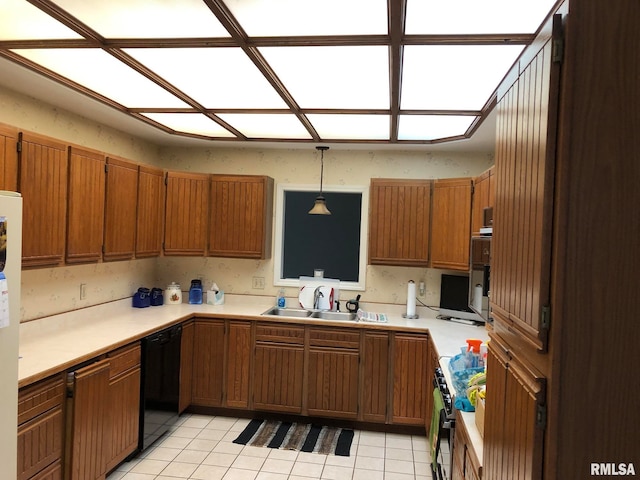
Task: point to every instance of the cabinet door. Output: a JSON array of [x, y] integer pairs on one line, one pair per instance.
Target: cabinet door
[[186, 213], [332, 373], [43, 185], [208, 363], [8, 158], [85, 206], [240, 216], [451, 224], [278, 368], [520, 269], [410, 383], [375, 376], [120, 212], [483, 197], [186, 366], [150, 212], [399, 217], [238, 364]]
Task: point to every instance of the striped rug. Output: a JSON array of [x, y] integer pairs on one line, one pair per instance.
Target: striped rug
[[303, 437]]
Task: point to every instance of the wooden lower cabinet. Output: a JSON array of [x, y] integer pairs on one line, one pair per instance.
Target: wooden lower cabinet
[[278, 368], [52, 472], [186, 365], [238, 364], [374, 386], [466, 465], [208, 363], [332, 372], [411, 380]]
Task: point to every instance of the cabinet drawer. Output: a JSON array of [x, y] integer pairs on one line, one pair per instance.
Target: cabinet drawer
[[124, 359], [52, 472], [40, 397], [334, 338], [292, 335], [39, 443]]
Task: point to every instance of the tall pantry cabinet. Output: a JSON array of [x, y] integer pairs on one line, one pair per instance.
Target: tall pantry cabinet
[[564, 243]]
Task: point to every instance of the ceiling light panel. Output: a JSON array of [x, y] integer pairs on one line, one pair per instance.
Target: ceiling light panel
[[19, 20], [351, 126], [265, 125], [104, 74], [214, 77], [146, 19], [194, 123], [349, 77], [432, 127], [295, 17], [475, 17], [453, 77]]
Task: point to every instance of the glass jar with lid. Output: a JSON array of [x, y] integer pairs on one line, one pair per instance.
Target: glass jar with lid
[[173, 294]]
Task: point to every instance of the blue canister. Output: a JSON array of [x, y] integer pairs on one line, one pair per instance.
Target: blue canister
[[142, 298], [156, 297], [195, 292]]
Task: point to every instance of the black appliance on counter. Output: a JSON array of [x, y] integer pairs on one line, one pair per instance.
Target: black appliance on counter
[[159, 399], [442, 428]]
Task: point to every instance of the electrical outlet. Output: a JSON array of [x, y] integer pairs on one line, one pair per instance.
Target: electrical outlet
[[258, 282], [83, 291]]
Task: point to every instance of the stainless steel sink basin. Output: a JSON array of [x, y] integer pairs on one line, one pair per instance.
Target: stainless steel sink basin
[[343, 316], [287, 312]]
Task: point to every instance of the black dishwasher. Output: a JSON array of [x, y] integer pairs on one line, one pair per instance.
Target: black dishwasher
[[160, 394]]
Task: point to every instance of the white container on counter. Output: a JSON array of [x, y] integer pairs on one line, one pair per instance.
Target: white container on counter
[[173, 294]]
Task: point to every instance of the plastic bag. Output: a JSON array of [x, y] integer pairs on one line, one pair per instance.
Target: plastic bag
[[462, 367]]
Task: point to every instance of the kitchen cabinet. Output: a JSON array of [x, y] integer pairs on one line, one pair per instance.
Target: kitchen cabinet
[[208, 363], [375, 376], [466, 465], [123, 405], [150, 212], [333, 372], [399, 219], [43, 166], [186, 365], [483, 197], [120, 209], [86, 419], [238, 361], [186, 213], [85, 206], [240, 216], [278, 367], [433, 362], [411, 381], [41, 429], [451, 224], [8, 158]]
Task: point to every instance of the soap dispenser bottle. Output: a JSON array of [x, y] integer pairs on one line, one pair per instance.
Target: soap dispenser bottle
[[281, 301]]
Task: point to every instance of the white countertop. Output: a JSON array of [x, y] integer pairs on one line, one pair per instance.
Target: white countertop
[[58, 342]]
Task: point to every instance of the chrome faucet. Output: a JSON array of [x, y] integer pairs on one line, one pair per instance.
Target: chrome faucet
[[317, 294]]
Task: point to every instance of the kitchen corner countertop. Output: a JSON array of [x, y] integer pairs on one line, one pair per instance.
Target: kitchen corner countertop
[[56, 343]]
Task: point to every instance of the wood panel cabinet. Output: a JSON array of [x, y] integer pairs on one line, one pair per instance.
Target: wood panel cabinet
[[186, 213], [240, 216], [123, 405], [208, 364], [120, 209], [150, 212], [238, 361], [332, 372], [186, 365], [451, 224], [8, 158], [279, 368], [85, 206], [375, 376], [43, 185], [41, 429], [483, 197], [410, 382], [466, 464], [399, 219]]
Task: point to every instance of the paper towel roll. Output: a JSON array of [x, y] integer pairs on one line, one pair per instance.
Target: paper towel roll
[[411, 299], [477, 298]]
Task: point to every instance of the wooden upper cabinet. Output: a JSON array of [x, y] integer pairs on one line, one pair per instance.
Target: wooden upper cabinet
[[399, 216], [43, 185], [525, 164], [483, 197], [85, 205], [240, 216], [8, 158], [186, 213], [451, 224], [150, 212], [120, 209]]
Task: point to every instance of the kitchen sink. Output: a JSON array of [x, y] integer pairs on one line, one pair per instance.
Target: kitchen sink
[[288, 312], [302, 313], [325, 315]]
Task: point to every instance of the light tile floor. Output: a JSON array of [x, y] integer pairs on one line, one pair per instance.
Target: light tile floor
[[201, 447]]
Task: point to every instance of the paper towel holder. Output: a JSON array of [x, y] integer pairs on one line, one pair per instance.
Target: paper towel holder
[[411, 301]]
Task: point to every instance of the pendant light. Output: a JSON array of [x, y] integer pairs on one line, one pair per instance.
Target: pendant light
[[320, 205]]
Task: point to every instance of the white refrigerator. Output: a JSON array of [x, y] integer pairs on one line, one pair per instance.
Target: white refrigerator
[[10, 270]]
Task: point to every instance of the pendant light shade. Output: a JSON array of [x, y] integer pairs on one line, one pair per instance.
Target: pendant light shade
[[320, 205]]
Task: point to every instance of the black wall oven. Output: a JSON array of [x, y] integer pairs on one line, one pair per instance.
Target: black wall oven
[[442, 428]]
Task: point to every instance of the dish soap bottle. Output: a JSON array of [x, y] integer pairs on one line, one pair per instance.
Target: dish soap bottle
[[281, 302]]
